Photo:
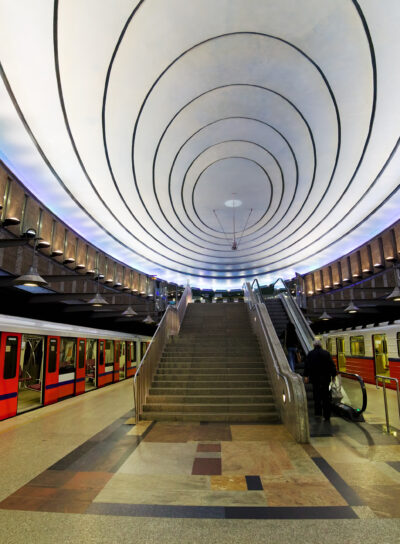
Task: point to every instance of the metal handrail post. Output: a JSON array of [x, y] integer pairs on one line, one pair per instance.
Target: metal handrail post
[[384, 378]]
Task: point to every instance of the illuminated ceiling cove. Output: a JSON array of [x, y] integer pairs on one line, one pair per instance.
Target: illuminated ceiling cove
[[150, 127]]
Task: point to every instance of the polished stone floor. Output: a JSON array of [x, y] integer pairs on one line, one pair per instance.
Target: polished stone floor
[[82, 470]]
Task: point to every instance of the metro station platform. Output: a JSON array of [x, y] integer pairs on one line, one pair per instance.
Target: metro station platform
[[81, 471]]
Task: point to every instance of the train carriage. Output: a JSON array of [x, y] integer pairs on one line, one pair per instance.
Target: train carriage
[[367, 351], [42, 362]]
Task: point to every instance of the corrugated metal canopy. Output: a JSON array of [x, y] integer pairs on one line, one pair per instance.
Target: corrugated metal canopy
[[138, 123]]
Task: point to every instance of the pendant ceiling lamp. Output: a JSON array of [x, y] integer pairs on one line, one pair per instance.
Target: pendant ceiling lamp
[[234, 203], [98, 299], [32, 277]]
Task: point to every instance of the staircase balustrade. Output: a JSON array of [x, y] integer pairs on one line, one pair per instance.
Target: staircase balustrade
[[287, 386], [169, 326]]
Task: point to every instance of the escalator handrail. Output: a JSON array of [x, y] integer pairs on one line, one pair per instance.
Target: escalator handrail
[[363, 389], [296, 316]]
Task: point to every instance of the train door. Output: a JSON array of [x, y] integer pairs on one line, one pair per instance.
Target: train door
[[80, 373], [117, 355], [101, 363], [110, 362], [122, 361], [52, 358], [381, 360], [341, 358], [130, 359], [10, 349], [143, 346], [91, 367], [67, 367], [30, 390]]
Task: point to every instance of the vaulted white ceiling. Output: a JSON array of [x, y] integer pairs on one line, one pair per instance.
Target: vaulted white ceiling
[[136, 122]]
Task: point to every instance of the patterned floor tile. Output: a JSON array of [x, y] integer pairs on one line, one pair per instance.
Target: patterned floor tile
[[206, 466], [228, 483]]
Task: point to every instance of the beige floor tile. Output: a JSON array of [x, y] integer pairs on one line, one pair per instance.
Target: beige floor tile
[[384, 500], [252, 458], [183, 497], [229, 483], [247, 433], [372, 472], [165, 482], [364, 512], [306, 494], [155, 458], [140, 428], [384, 453]]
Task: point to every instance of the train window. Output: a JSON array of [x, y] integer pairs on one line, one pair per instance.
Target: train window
[[329, 346], [117, 351], [67, 355], [81, 358], [133, 352], [52, 364], [109, 352], [398, 344], [10, 357], [357, 346]]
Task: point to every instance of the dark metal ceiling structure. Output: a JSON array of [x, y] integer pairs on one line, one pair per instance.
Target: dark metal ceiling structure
[[162, 131]]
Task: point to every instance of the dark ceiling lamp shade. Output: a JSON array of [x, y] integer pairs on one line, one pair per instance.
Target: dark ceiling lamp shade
[[148, 320], [352, 308], [97, 300], [129, 312], [11, 221], [325, 316], [395, 294], [56, 253], [32, 277]]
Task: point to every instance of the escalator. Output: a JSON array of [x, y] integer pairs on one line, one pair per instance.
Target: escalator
[[284, 309]]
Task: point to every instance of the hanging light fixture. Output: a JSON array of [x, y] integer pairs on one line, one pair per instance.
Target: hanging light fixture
[[129, 312], [148, 319], [32, 277], [97, 300], [352, 308], [325, 316], [395, 294], [232, 204]]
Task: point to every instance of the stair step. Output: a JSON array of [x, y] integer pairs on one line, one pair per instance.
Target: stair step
[[208, 391], [210, 399], [209, 365], [207, 378], [212, 408], [240, 417], [213, 370]]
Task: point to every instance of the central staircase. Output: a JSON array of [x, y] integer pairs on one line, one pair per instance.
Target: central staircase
[[212, 371]]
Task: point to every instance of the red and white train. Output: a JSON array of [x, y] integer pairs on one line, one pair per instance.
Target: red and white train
[[367, 351], [43, 362]]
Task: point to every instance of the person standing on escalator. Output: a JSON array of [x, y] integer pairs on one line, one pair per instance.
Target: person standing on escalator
[[319, 369], [291, 343]]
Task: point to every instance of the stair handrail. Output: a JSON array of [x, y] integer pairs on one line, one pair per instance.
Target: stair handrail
[[296, 316], [287, 386], [169, 326]]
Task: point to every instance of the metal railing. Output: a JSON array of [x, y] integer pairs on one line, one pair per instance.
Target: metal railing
[[384, 379], [354, 397], [303, 329], [288, 387], [169, 326]]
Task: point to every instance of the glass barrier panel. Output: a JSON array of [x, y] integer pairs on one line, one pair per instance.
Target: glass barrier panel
[[352, 392]]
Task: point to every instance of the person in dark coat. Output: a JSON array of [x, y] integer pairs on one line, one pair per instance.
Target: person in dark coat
[[319, 369], [291, 344]]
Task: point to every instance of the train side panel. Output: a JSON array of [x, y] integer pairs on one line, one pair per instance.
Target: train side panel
[[10, 350]]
